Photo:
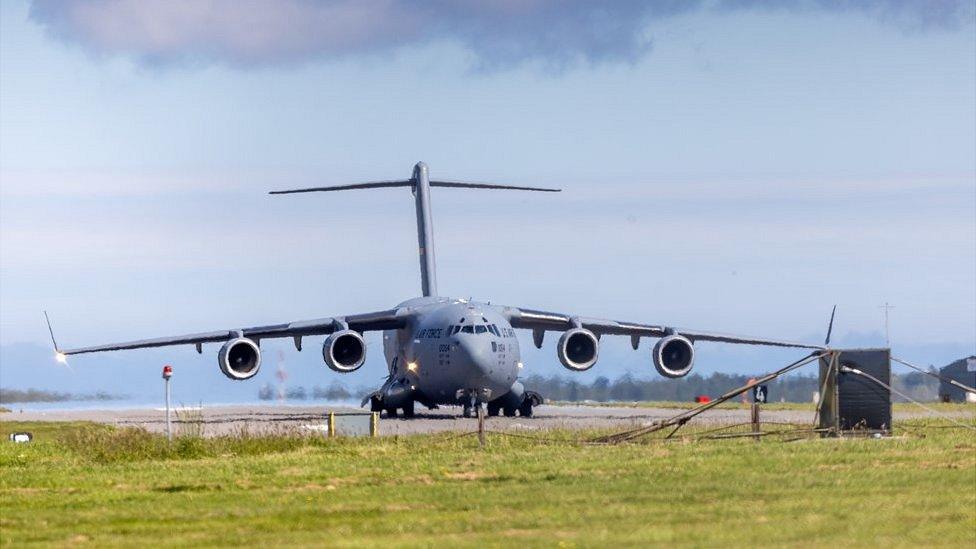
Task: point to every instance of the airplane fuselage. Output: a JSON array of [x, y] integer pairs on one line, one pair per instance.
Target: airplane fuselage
[[451, 350]]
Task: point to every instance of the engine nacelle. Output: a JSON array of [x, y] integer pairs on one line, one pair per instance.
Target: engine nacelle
[[344, 351], [239, 359], [674, 355], [578, 349]]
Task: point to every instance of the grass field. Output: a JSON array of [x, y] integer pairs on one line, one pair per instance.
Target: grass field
[[81, 483]]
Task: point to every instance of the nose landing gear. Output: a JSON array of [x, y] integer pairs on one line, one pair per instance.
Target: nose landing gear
[[472, 400]]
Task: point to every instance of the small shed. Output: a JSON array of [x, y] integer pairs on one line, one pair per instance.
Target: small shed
[[853, 402], [962, 371]]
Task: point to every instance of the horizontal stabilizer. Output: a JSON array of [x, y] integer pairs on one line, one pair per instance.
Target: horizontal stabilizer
[[463, 185], [411, 183], [370, 185]]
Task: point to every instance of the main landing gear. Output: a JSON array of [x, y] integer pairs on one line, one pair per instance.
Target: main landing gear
[[376, 405], [529, 401], [495, 409]]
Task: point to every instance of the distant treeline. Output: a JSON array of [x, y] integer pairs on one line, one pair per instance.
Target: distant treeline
[[628, 388], [336, 391], [8, 396]]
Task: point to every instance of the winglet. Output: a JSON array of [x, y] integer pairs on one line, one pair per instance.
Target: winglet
[[61, 357], [830, 326]]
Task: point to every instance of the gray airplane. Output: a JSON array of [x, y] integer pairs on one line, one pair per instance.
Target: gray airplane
[[441, 350]]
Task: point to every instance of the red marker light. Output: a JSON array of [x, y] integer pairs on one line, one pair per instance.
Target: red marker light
[[167, 371]]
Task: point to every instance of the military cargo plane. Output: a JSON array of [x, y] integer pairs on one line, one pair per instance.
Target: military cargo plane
[[442, 350]]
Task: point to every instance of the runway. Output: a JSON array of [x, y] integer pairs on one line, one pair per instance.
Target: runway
[[277, 418]]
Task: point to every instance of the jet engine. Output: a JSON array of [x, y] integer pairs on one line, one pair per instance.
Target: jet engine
[[578, 349], [344, 351], [674, 356], [239, 359]]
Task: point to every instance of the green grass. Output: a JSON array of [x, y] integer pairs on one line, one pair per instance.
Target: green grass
[[81, 482]]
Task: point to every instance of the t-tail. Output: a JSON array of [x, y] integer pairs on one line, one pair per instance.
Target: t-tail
[[420, 183]]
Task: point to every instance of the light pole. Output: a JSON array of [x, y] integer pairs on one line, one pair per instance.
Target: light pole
[[168, 373]]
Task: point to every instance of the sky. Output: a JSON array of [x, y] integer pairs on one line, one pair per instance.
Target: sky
[[737, 166]]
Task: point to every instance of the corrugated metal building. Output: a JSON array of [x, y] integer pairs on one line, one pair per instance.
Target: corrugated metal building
[[963, 371], [854, 402]]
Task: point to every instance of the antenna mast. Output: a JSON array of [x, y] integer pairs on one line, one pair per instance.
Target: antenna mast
[[887, 308]]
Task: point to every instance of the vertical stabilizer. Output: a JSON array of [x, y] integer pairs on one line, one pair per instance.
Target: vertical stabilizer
[[425, 230], [420, 183]]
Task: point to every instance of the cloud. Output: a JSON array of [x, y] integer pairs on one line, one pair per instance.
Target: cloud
[[271, 32], [498, 33], [910, 15]]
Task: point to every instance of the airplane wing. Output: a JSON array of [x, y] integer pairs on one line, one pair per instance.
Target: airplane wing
[[381, 320], [540, 322]]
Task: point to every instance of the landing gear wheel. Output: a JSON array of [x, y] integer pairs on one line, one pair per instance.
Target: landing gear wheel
[[493, 409], [375, 405], [510, 412], [526, 408], [467, 411], [391, 413], [408, 410]]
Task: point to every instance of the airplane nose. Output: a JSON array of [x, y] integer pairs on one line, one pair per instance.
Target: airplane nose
[[471, 352], [483, 370]]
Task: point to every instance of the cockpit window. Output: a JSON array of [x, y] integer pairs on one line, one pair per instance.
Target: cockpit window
[[474, 329]]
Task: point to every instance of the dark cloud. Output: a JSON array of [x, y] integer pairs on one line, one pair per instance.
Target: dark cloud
[[499, 33]]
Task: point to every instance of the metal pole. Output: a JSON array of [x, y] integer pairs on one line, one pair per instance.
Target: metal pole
[[755, 420], [835, 394], [169, 423], [936, 376]]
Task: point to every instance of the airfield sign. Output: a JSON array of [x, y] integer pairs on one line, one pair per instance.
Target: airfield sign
[[759, 393]]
